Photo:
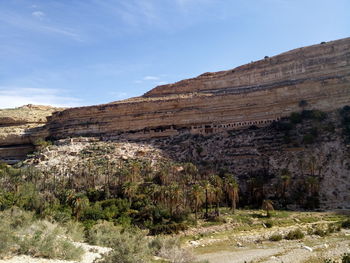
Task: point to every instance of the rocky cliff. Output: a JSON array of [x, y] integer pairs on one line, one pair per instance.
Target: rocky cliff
[[219, 121], [20, 129], [253, 94]]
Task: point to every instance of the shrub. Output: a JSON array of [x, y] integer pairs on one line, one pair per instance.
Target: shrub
[[170, 249], [43, 240], [7, 240], [320, 232], [334, 227], [20, 233], [171, 228], [295, 117], [295, 234], [313, 114], [127, 247], [276, 237], [346, 258], [75, 231], [103, 233], [269, 224], [346, 224]]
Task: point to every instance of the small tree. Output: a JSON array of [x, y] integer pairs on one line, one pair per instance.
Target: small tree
[[267, 205]]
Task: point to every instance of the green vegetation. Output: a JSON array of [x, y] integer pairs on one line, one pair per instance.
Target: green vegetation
[[295, 234], [276, 237], [21, 233], [130, 193], [346, 224]]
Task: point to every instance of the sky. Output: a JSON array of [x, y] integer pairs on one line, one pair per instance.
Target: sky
[[85, 52]]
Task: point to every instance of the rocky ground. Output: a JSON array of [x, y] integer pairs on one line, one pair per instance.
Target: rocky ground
[[254, 245], [311, 249]]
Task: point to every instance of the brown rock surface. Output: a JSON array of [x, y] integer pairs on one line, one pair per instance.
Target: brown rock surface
[[19, 128], [253, 94]]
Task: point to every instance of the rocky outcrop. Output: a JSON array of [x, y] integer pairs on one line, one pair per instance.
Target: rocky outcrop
[[253, 94], [20, 128]]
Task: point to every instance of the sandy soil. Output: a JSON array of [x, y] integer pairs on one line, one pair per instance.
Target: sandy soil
[[91, 253]]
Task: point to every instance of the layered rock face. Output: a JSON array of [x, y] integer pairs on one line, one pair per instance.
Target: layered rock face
[[20, 128], [253, 94]]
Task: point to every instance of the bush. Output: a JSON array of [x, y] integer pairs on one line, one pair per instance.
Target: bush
[[75, 231], [127, 247], [103, 234], [320, 232], [345, 258], [295, 117], [170, 249], [295, 234], [269, 224], [171, 228], [346, 224], [313, 114], [20, 233], [334, 227], [43, 240], [276, 237]]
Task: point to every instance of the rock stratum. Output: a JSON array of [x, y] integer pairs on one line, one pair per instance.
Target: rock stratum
[[253, 94], [20, 130], [224, 120]]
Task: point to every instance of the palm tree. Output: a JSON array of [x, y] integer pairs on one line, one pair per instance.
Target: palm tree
[[79, 203], [267, 205], [216, 182], [130, 190], [173, 194], [312, 185], [208, 189], [285, 176], [197, 194], [191, 170], [232, 190]]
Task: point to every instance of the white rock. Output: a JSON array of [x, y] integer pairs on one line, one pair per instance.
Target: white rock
[[194, 243], [307, 248]]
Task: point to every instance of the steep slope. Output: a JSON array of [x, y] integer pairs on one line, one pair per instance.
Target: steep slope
[[253, 94]]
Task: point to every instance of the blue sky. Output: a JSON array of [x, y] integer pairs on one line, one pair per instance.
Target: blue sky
[[83, 52]]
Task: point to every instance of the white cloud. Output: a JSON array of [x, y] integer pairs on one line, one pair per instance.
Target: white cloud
[[11, 97], [151, 78], [23, 22], [38, 14]]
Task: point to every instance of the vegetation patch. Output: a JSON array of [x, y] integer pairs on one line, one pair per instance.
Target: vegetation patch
[[295, 234]]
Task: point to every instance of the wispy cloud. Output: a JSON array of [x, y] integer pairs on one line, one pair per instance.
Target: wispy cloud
[[38, 14], [151, 78], [11, 97], [36, 25]]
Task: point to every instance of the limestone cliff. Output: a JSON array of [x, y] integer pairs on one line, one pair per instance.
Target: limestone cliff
[[20, 128], [253, 94]]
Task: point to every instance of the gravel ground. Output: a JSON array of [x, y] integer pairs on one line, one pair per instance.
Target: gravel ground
[[239, 256], [91, 253], [284, 251]]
